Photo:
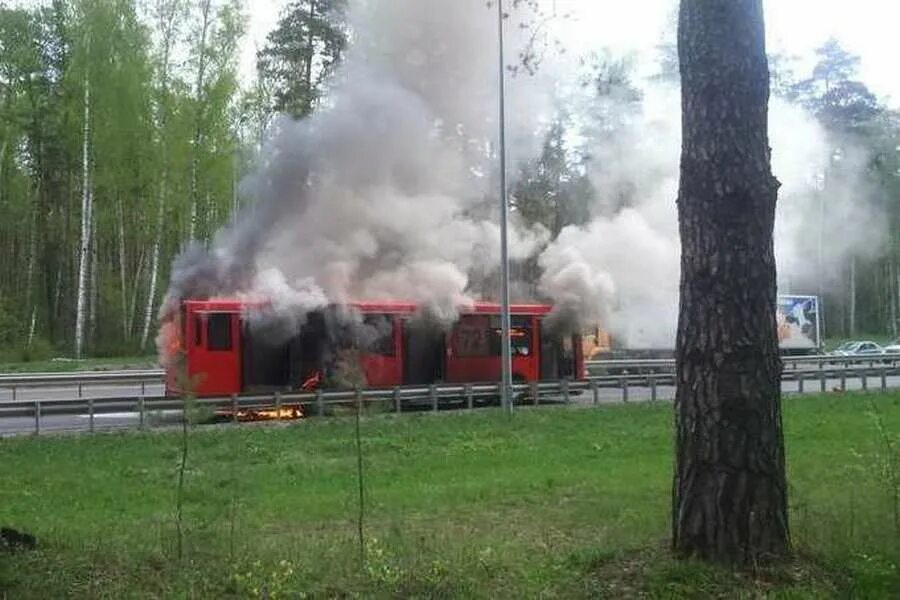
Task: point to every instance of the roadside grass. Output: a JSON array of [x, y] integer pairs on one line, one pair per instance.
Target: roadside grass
[[553, 502], [62, 365]]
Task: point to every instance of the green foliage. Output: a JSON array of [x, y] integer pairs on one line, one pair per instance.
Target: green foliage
[[557, 503], [301, 53], [142, 126]]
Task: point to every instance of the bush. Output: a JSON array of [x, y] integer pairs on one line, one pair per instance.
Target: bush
[[40, 349]]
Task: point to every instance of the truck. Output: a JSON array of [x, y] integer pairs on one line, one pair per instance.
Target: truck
[[798, 319]]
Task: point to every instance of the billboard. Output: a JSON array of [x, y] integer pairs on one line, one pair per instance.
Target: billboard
[[798, 322]]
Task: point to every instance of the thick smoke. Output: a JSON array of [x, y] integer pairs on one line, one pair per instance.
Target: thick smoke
[[622, 269], [385, 192]]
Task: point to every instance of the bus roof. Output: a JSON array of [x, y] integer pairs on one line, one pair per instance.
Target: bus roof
[[366, 306]]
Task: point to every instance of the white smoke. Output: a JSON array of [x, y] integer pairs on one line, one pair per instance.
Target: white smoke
[[622, 270], [385, 191]]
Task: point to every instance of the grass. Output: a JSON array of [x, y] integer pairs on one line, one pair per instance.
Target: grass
[[58, 365], [554, 502]]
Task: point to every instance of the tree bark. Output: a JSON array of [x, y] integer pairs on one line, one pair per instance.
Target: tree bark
[[310, 49], [168, 15], [86, 208], [729, 489], [198, 121], [123, 287], [851, 310]]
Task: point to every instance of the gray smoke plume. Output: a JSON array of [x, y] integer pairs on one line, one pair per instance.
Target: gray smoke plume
[[622, 269], [385, 192]]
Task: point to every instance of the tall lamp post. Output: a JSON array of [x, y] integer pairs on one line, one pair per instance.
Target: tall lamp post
[[506, 397]]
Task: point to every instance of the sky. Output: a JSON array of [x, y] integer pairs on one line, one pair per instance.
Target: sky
[[868, 28]]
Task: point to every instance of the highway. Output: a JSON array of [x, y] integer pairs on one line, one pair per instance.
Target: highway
[[129, 417]]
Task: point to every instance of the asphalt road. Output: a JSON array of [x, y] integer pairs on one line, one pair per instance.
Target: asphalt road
[[123, 420]]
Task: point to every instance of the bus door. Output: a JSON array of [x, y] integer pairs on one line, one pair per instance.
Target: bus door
[[423, 352], [525, 352], [382, 351], [214, 362]]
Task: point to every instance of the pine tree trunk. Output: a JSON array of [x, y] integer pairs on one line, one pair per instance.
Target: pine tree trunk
[[729, 489], [84, 246]]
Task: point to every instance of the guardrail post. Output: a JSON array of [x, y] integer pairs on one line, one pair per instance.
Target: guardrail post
[[14, 388], [822, 384], [800, 382], [652, 388], [359, 399], [142, 412], [278, 406], [396, 395], [432, 393], [234, 408], [535, 393], [143, 388], [80, 385], [883, 379], [844, 378], [91, 415], [470, 396], [565, 391], [595, 393], [624, 383], [37, 417]]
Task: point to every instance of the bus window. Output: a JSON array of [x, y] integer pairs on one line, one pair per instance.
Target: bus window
[[470, 336], [378, 337], [218, 333], [519, 335]]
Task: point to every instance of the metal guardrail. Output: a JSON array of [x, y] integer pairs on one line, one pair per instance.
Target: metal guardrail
[[80, 379], [602, 371], [790, 362], [432, 397]]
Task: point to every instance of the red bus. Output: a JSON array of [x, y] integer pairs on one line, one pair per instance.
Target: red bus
[[223, 351]]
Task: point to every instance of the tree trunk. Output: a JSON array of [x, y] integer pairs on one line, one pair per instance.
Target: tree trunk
[[123, 286], [198, 121], [95, 293], [851, 311], [132, 306], [310, 49], [168, 27], [896, 313], [729, 490], [154, 263], [86, 208]]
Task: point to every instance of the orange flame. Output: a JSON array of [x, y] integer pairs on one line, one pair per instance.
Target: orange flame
[[288, 412]]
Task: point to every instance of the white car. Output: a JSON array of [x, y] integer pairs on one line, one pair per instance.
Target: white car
[[861, 348], [893, 347]]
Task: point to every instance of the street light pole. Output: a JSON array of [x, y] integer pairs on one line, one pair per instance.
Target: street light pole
[[506, 350]]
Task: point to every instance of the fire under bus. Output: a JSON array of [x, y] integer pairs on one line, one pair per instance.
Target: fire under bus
[[222, 350]]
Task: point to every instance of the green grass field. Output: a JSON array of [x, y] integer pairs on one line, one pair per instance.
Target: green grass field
[[554, 502]]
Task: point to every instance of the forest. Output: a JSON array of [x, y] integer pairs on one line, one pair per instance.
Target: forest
[[126, 130]]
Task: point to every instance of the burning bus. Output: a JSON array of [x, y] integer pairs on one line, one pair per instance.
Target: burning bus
[[220, 347]]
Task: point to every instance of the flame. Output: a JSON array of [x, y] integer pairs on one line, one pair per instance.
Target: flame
[[288, 412], [312, 382]]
